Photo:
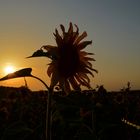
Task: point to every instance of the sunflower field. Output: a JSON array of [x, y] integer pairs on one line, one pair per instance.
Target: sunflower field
[[89, 114]]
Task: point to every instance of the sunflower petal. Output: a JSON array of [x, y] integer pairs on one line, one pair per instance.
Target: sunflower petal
[[61, 83], [83, 53], [50, 70], [79, 38], [78, 79], [89, 65], [48, 47], [63, 29], [95, 70], [58, 38], [82, 81], [77, 29], [85, 70], [74, 83], [85, 83], [84, 76], [75, 34], [70, 31], [89, 59], [83, 44], [67, 88], [54, 79]]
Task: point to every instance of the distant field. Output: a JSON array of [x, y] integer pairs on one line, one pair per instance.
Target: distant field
[[80, 115]]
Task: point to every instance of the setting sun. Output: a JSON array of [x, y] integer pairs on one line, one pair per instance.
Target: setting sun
[[9, 69]]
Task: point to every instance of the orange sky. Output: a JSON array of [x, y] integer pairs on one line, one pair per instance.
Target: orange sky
[[113, 26]]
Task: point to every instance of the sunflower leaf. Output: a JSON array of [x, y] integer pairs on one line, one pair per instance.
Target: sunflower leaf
[[39, 53], [20, 73]]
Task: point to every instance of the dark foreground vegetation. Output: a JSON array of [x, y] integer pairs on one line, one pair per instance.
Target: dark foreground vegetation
[[86, 115]]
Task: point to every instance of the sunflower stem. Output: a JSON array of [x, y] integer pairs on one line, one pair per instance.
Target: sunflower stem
[[48, 112], [40, 81], [48, 119]]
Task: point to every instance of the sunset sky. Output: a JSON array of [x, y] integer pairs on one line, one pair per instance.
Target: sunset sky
[[112, 25]]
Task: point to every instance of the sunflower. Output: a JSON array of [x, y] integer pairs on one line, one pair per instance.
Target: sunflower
[[70, 65]]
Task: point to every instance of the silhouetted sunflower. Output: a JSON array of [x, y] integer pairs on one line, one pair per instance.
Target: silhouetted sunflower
[[70, 65]]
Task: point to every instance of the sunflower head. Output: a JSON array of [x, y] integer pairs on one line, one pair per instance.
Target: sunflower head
[[70, 65]]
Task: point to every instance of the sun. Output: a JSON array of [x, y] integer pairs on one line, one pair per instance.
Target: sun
[[9, 69]]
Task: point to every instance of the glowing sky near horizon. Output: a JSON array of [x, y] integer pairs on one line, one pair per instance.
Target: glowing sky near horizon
[[112, 25]]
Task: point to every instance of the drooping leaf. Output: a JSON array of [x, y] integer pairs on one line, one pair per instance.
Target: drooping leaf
[[20, 73], [38, 53], [52, 51]]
